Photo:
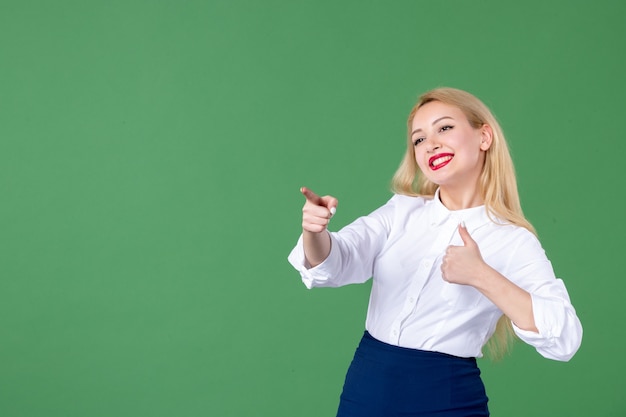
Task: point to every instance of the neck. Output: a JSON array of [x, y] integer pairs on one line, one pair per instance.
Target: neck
[[459, 199]]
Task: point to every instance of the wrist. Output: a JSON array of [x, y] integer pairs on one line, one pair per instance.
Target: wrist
[[484, 275]]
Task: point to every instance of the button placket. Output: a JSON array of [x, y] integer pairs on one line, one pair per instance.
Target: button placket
[[422, 275]]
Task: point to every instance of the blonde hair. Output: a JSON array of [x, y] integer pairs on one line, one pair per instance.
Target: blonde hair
[[497, 183]]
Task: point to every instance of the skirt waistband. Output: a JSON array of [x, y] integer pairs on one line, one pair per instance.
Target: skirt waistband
[[370, 343]]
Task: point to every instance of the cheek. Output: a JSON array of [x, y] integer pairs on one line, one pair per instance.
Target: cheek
[[416, 154], [419, 158]]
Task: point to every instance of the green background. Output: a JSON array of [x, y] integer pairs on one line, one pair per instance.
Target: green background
[[151, 154]]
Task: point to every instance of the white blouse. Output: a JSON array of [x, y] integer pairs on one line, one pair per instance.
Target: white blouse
[[401, 245]]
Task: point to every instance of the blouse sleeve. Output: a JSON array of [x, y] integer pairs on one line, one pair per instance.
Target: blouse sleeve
[[352, 253], [560, 330]]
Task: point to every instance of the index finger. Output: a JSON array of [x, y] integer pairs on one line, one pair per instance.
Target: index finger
[[311, 196]]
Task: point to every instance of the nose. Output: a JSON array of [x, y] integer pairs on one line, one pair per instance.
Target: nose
[[432, 147]]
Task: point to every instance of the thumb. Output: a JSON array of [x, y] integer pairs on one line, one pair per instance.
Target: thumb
[[465, 236]]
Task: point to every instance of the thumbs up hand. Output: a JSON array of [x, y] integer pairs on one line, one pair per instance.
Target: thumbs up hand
[[317, 211], [463, 264]]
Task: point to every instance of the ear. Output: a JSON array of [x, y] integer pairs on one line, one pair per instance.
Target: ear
[[486, 137]]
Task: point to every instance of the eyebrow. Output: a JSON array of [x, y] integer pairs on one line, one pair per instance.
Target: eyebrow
[[433, 123]]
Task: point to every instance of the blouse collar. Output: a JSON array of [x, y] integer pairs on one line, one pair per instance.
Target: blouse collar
[[473, 217]]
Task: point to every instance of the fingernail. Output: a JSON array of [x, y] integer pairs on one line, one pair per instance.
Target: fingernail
[[333, 210], [463, 225]]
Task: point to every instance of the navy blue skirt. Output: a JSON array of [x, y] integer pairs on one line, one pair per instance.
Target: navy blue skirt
[[385, 381]]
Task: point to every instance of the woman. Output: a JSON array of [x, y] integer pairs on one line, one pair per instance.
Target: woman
[[454, 264]]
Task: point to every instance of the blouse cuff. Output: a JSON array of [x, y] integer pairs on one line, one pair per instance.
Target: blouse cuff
[[319, 275], [549, 320], [559, 336]]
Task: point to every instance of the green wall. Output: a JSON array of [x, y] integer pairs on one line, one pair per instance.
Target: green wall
[[151, 154]]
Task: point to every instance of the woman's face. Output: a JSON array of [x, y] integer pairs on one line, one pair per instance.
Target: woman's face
[[448, 150]]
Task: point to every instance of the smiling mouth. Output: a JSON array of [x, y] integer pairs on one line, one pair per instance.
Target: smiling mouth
[[440, 160]]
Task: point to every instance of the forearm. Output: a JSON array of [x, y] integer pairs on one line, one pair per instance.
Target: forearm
[[515, 302], [316, 247]]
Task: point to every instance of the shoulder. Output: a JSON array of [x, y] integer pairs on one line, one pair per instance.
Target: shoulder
[[398, 209], [409, 202], [404, 205], [516, 238]]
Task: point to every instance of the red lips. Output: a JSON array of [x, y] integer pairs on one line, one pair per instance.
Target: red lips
[[440, 160]]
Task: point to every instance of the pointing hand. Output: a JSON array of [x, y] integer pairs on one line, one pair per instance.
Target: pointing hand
[[317, 211]]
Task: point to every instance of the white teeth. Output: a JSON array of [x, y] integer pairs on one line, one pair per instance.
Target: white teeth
[[440, 161]]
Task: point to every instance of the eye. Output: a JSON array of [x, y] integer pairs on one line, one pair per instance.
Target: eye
[[417, 141], [446, 128]]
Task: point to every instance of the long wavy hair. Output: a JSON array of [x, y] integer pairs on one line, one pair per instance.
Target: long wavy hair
[[497, 182]]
